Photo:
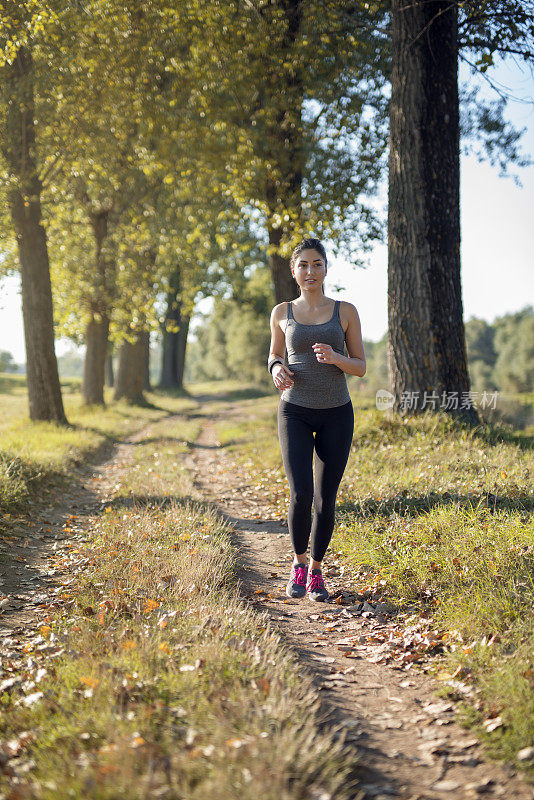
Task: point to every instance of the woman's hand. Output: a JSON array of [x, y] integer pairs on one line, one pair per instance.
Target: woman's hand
[[281, 377], [325, 353]]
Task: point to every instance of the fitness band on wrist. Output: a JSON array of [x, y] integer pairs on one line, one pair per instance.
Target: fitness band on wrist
[[272, 362]]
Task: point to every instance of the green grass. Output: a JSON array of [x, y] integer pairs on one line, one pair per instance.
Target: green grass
[[37, 455], [159, 464], [438, 518], [432, 514], [153, 677]]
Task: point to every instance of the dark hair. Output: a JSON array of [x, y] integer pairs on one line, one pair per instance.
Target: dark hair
[[308, 244]]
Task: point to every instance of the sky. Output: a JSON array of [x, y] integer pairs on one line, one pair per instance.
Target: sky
[[497, 246], [497, 242]]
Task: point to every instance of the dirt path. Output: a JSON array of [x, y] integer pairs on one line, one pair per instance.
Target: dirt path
[[28, 584], [405, 735]]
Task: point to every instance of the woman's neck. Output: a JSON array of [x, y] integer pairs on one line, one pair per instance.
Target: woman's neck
[[314, 300]]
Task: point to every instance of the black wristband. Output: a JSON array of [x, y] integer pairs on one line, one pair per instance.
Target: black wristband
[[272, 362]]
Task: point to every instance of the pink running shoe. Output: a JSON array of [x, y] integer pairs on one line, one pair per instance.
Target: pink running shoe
[[315, 586], [296, 586]]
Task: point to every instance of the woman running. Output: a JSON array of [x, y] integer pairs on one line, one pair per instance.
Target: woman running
[[314, 400]]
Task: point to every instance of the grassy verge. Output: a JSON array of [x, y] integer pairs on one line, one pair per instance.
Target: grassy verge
[[148, 676], [438, 519], [37, 456]]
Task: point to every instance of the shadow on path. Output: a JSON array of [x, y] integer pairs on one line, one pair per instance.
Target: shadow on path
[[405, 741]]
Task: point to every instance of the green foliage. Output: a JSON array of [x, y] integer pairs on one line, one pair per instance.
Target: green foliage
[[488, 135], [489, 32], [234, 341], [480, 341], [294, 97], [501, 355], [195, 131], [376, 375], [212, 358], [481, 355], [20, 22], [7, 362], [236, 336], [514, 369], [247, 342], [70, 365], [481, 376]]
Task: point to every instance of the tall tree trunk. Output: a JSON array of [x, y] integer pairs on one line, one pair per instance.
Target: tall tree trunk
[[94, 365], [284, 150], [174, 337], [97, 331], [285, 286], [109, 377], [181, 348], [426, 339], [145, 335], [130, 373], [44, 389]]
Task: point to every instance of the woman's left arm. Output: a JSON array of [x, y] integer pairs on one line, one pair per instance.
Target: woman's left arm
[[355, 364]]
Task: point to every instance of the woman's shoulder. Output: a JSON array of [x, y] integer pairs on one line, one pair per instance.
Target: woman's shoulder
[[279, 310], [349, 308], [348, 314]]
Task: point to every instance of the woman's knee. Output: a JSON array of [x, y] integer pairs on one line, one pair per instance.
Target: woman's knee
[[302, 497], [325, 517]]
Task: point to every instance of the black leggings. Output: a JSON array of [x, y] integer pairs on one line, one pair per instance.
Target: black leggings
[[333, 428]]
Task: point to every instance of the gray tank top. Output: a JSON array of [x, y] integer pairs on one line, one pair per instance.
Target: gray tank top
[[315, 385]]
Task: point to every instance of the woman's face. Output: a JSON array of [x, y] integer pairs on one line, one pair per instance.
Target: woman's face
[[309, 270]]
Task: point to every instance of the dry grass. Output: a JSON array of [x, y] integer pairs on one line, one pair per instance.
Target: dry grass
[[36, 456], [151, 677], [438, 517]]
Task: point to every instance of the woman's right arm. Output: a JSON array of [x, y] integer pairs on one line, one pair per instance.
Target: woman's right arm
[[280, 372]]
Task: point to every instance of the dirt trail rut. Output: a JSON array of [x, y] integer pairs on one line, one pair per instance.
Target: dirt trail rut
[[27, 575], [403, 735], [406, 737]]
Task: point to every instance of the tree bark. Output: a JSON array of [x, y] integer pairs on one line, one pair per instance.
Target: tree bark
[[44, 389], [146, 360], [97, 331], [173, 356], [130, 373], [285, 286], [174, 338], [284, 151], [94, 365], [181, 347], [109, 377], [426, 337]]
